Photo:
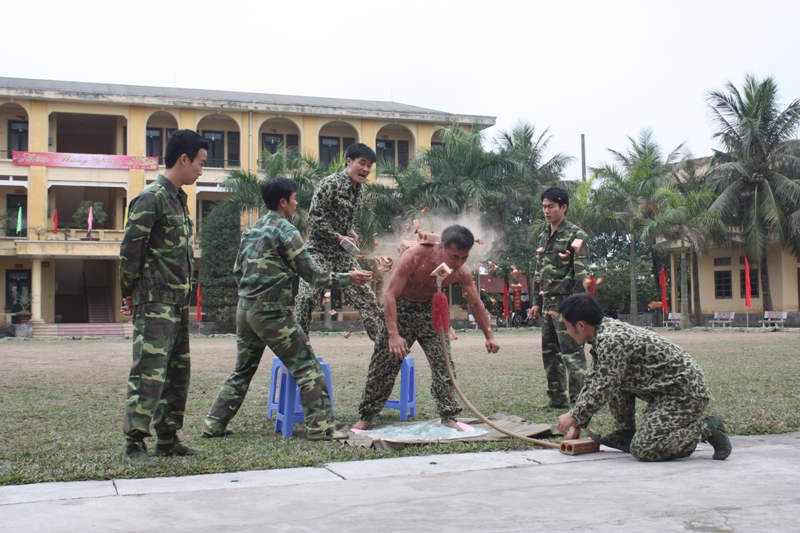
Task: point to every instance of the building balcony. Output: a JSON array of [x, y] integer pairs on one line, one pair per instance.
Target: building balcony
[[67, 243]]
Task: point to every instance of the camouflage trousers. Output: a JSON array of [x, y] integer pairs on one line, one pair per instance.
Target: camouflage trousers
[[564, 361], [414, 325], [158, 384], [670, 429], [361, 298], [255, 330]]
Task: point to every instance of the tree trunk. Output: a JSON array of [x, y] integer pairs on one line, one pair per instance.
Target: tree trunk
[[698, 311], [634, 316], [685, 322], [766, 292]]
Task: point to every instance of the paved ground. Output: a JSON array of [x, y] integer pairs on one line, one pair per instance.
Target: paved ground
[[756, 489]]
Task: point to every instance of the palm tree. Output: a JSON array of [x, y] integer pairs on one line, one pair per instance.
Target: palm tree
[[245, 187], [398, 195], [519, 214], [756, 171], [684, 217], [463, 170], [627, 193]]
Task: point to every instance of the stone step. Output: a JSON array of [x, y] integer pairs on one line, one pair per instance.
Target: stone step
[[109, 330]]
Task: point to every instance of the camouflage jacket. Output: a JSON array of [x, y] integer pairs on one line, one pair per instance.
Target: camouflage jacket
[[334, 211], [560, 269], [271, 254], [636, 361], [155, 257]]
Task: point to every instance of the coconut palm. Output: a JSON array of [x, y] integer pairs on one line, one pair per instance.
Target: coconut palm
[[756, 171], [463, 170], [245, 187], [684, 217], [627, 190]]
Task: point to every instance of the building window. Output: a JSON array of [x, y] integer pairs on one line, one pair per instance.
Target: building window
[[753, 283], [216, 150], [154, 144], [723, 284], [233, 149], [437, 146], [402, 154], [385, 152], [270, 142], [347, 142], [15, 202], [17, 136], [328, 149], [722, 262]]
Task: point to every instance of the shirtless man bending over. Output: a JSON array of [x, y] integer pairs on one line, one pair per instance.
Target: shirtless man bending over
[[407, 319]]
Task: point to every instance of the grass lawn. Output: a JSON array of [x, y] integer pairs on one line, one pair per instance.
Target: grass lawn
[[61, 402]]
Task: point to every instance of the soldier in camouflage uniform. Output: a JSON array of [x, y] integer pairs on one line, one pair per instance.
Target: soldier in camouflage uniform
[[407, 313], [629, 362], [155, 271], [562, 256], [271, 255], [332, 218]]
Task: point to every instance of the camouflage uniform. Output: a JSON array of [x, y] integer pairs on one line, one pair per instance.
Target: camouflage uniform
[[413, 324], [334, 211], [271, 255], [560, 272], [629, 362], [155, 269]]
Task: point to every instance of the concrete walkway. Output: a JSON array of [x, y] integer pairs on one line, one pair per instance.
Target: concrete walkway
[[756, 489]]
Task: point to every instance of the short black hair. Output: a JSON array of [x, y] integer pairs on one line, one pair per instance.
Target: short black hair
[[459, 235], [581, 307], [275, 189], [183, 142], [556, 194], [354, 151]]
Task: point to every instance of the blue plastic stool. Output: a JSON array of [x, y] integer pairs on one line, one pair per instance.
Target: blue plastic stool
[[288, 396], [408, 390]]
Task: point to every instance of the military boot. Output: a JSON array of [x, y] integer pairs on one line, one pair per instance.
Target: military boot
[[719, 437], [136, 453], [177, 448], [617, 440]]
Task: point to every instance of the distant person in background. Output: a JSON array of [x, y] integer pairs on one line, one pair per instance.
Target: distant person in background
[[155, 268]]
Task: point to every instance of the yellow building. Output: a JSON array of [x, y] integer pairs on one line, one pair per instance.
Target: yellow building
[[722, 284], [71, 140]]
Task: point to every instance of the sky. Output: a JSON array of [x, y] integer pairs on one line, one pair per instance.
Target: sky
[[604, 69]]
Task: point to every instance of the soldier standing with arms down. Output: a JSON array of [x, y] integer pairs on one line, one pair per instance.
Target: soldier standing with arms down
[[155, 271], [271, 255], [331, 221], [561, 259]]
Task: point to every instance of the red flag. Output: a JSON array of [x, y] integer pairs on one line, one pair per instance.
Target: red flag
[[55, 222], [505, 300], [663, 281], [591, 284], [199, 303], [747, 290]]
